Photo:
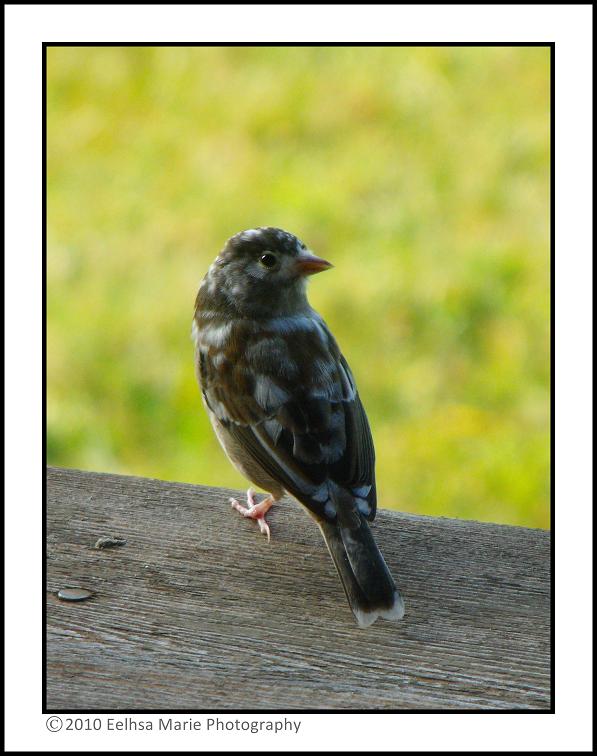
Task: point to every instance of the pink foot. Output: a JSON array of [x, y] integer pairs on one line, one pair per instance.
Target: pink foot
[[255, 511]]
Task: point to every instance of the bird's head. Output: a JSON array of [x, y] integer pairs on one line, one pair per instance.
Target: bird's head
[[261, 272]]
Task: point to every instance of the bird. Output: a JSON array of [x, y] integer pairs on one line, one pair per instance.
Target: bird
[[284, 405]]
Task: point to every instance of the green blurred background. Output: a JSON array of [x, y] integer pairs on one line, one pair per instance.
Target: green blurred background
[[421, 173]]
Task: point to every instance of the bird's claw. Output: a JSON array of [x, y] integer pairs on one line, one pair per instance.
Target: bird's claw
[[264, 527], [255, 511]]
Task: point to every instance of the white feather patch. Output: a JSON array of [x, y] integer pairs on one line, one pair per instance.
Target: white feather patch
[[269, 395], [218, 360], [250, 233], [195, 332], [215, 335]]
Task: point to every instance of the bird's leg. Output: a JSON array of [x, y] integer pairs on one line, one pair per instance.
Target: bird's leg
[[255, 511]]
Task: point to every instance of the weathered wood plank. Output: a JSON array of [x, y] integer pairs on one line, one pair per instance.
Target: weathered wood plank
[[197, 610]]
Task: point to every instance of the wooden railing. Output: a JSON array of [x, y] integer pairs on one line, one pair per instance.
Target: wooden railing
[[197, 611]]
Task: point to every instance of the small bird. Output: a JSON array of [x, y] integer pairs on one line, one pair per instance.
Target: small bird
[[285, 408]]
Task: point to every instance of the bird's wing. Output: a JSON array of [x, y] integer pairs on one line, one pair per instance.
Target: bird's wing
[[289, 398]]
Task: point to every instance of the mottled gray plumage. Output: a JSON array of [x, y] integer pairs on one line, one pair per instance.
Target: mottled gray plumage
[[284, 405]]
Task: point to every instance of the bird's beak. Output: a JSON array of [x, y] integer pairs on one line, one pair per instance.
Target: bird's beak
[[307, 264]]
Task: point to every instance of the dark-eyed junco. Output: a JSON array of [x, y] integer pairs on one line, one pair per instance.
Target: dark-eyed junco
[[285, 408]]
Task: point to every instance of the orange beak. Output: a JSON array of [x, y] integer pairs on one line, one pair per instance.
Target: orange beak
[[307, 264]]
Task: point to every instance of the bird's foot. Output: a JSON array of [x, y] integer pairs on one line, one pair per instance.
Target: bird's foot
[[255, 511]]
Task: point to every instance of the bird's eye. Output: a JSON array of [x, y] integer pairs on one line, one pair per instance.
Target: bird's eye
[[268, 260]]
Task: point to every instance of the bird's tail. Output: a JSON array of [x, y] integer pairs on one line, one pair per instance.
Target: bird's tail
[[369, 587]]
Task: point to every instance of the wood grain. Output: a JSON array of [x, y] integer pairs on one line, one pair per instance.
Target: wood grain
[[198, 612]]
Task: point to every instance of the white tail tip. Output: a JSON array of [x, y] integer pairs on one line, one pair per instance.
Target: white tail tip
[[395, 612]]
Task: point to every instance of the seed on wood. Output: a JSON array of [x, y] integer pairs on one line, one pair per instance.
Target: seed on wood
[[74, 594], [107, 542]]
